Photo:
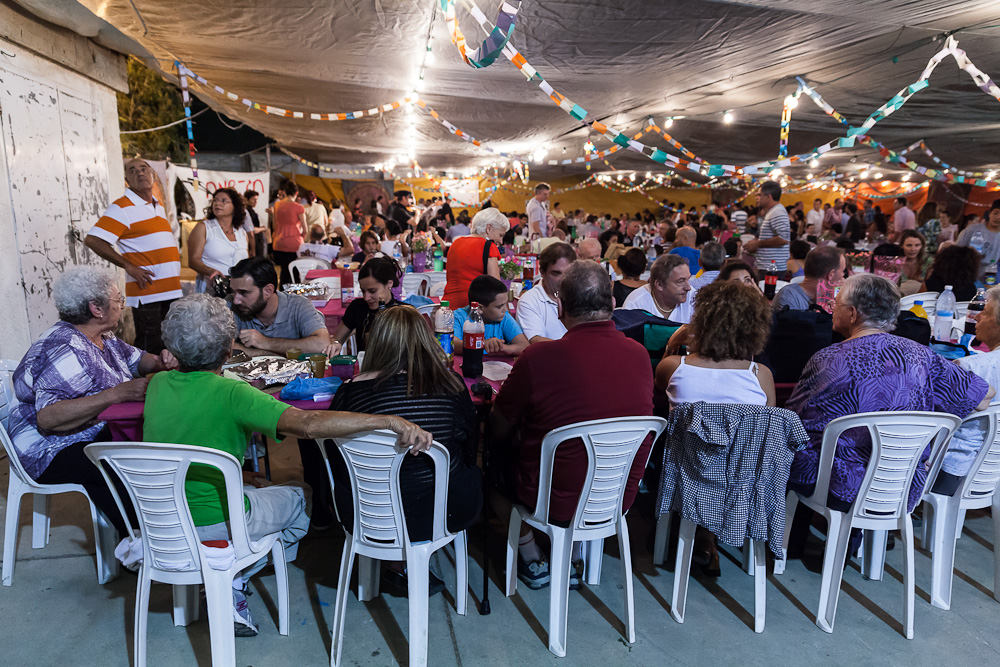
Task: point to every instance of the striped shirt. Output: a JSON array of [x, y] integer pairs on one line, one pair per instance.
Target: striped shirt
[[775, 225], [144, 238]]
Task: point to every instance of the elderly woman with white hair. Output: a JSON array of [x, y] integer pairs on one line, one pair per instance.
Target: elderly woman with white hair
[[195, 405], [472, 256], [69, 376], [873, 370]]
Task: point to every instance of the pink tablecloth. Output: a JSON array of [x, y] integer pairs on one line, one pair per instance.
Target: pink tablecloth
[[457, 365], [125, 419], [313, 274]]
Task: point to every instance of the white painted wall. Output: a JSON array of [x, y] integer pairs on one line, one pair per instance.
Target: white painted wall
[[60, 166]]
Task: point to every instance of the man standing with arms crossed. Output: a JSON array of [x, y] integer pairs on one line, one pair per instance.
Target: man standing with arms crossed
[[539, 218], [135, 235]]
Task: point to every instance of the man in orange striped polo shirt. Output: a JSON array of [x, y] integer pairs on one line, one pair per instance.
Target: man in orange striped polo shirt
[[134, 234]]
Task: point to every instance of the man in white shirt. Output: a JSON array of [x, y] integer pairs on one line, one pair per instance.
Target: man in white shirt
[[903, 218], [814, 219], [538, 308], [539, 218], [666, 293], [771, 245]]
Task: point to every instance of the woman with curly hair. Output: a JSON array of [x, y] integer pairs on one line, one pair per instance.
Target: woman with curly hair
[[957, 266], [730, 326]]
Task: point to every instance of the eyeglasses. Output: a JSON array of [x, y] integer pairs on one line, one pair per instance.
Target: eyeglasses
[[121, 301]]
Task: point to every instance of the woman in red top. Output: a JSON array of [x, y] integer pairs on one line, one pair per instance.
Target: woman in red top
[[289, 230], [472, 256]]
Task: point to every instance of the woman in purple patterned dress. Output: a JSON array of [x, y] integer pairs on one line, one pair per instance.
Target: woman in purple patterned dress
[[872, 370], [69, 376]]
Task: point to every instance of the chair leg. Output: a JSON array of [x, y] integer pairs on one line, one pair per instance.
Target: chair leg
[[461, 573], [340, 608], [760, 584], [682, 569], [281, 581], [13, 514], [559, 565], [909, 583], [837, 541], [873, 554], [791, 503], [186, 605], [749, 557], [593, 553], [369, 571], [417, 577], [40, 523], [219, 599], [625, 551], [513, 535], [926, 527], [661, 539], [105, 538], [959, 524], [141, 614], [996, 546], [943, 557]]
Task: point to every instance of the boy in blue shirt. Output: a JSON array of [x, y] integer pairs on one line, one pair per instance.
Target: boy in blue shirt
[[503, 333]]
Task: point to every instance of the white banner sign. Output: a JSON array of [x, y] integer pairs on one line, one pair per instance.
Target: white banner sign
[[209, 181]]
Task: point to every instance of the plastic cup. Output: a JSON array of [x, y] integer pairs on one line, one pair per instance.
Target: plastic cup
[[293, 353], [317, 363]]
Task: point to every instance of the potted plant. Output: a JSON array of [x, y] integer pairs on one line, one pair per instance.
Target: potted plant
[[418, 250], [510, 269]]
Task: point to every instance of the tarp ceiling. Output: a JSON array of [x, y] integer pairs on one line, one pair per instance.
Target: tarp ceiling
[[624, 61]]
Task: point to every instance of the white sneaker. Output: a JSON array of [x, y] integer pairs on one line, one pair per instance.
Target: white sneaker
[[242, 620]]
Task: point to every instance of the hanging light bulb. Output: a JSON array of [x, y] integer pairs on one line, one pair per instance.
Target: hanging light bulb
[[409, 174], [539, 154], [589, 147], [885, 184], [864, 174], [791, 101], [878, 175], [814, 163], [906, 177], [990, 175], [649, 174], [809, 176], [631, 177], [728, 117], [668, 122]]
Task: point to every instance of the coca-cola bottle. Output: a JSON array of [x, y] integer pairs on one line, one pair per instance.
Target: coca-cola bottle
[[771, 280], [473, 334]]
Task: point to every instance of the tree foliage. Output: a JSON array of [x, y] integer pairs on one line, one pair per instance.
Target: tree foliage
[[151, 102]]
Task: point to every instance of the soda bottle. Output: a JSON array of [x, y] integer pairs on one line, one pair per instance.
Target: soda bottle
[[346, 287], [976, 307], [991, 274], [444, 329], [473, 334], [945, 315], [771, 280], [438, 260]]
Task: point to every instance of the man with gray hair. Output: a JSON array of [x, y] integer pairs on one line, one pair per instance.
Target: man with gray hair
[[711, 260], [666, 293], [552, 385], [197, 406], [134, 234], [589, 249]]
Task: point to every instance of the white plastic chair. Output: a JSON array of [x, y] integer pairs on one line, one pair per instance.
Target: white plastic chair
[[797, 279], [427, 309], [944, 515], [437, 289], [611, 446], [298, 268], [154, 474], [961, 309], [777, 286], [929, 300], [898, 440], [416, 283], [379, 533], [21, 484]]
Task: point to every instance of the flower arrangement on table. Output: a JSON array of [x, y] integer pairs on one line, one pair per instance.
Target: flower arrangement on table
[[510, 268], [419, 244]]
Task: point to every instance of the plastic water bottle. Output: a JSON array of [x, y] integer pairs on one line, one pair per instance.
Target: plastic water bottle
[[976, 307], [977, 242], [444, 329], [945, 315], [771, 281], [473, 335]]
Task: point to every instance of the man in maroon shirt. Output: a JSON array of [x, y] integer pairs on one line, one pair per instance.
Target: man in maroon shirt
[[593, 372]]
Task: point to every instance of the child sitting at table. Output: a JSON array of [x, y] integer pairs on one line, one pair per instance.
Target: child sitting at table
[[503, 333]]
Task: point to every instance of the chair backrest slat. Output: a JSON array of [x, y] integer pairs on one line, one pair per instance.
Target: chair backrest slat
[[7, 367], [984, 475]]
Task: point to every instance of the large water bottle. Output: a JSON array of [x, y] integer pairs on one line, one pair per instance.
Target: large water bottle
[[444, 329], [473, 334], [397, 253], [977, 242], [945, 315]]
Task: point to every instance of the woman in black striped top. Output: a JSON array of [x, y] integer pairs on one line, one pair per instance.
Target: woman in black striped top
[[405, 373]]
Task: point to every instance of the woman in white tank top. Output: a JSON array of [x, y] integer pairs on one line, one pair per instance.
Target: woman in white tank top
[[215, 245], [730, 326]]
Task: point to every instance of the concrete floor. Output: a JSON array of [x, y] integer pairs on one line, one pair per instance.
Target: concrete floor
[[56, 614]]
